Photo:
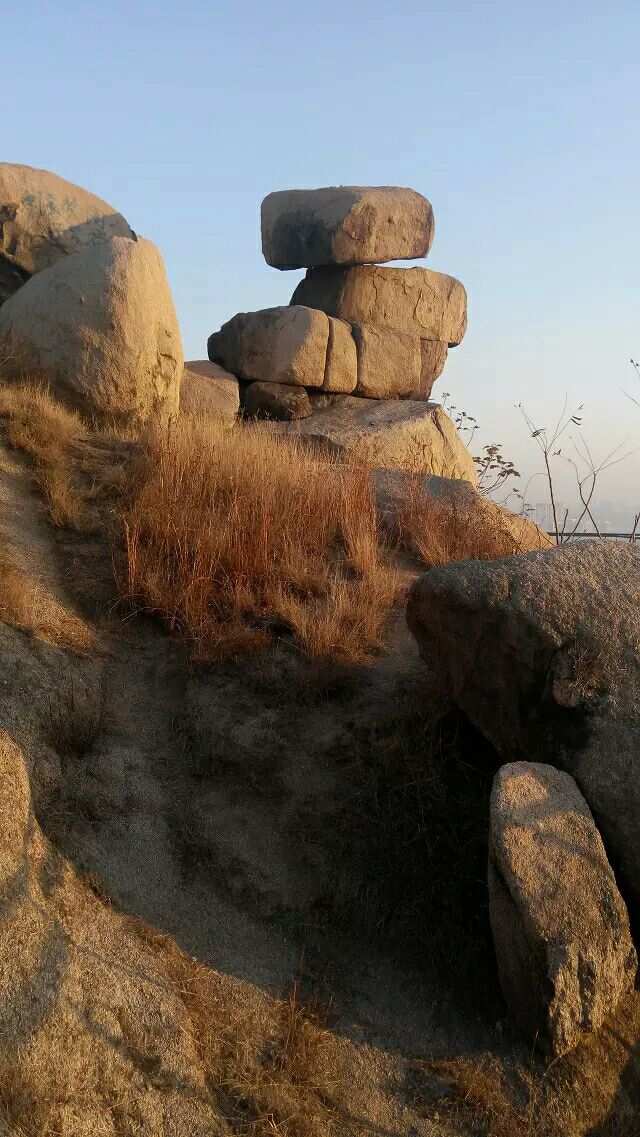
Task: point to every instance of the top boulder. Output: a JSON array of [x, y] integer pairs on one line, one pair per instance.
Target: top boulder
[[345, 225], [44, 218]]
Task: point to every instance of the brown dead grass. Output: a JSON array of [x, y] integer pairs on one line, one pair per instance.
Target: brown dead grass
[[26, 603], [441, 531], [237, 536], [37, 424], [268, 1062]]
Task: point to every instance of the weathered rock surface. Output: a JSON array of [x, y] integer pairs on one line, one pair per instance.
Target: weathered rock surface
[[560, 926], [274, 345], [418, 301], [341, 367], [389, 363], [208, 389], [345, 225], [433, 356], [399, 433], [101, 328], [276, 401], [465, 524], [542, 653], [43, 218]]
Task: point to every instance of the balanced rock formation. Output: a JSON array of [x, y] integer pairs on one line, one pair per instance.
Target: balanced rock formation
[[353, 328], [560, 926], [207, 389], [101, 328], [542, 653], [43, 218], [417, 301], [392, 434], [446, 519], [345, 225]]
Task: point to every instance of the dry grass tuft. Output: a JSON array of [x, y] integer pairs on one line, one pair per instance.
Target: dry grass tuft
[[439, 530], [495, 1101], [44, 429], [26, 603], [268, 1063], [237, 536]]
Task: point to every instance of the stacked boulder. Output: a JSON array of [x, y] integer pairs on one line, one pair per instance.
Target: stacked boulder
[[84, 303], [354, 333]]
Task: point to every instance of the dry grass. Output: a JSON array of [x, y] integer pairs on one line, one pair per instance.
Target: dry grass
[[44, 429], [27, 604], [237, 536], [440, 530], [268, 1062]]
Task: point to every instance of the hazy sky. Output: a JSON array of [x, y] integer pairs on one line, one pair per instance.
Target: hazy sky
[[521, 123]]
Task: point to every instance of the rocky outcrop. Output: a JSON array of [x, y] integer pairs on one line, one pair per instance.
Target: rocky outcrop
[[389, 329], [275, 401], [397, 433], [446, 519], [353, 328], [345, 225], [100, 327], [560, 926], [417, 301], [43, 218], [207, 389], [542, 653]]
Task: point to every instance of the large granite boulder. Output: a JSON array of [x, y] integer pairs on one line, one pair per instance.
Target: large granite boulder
[[542, 653], [274, 345], [345, 225], [446, 519], [423, 303], [207, 389], [560, 926], [100, 327], [43, 218], [396, 434]]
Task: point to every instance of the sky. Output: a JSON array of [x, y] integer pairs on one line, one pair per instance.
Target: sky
[[520, 122]]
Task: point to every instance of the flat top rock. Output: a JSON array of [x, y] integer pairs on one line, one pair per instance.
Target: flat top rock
[[345, 225]]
